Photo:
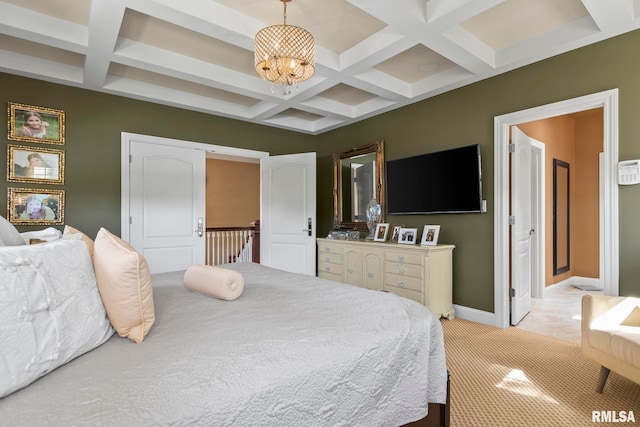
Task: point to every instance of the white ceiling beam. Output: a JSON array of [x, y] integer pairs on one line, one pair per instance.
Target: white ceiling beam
[[105, 19]]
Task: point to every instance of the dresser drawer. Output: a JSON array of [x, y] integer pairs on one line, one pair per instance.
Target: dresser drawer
[[330, 276], [403, 282], [402, 269], [325, 247], [407, 293], [404, 257], [330, 268], [330, 257]]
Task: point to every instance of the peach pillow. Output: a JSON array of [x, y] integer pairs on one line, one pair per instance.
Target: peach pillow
[[124, 281], [633, 319], [68, 230]]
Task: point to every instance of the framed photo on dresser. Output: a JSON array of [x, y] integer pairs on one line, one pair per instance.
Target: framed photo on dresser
[[382, 230], [407, 236], [430, 235]]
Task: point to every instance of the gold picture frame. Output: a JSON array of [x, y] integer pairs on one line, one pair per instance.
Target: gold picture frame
[[35, 164], [29, 123], [35, 206]]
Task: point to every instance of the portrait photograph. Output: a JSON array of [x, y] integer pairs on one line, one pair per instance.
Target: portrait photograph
[[407, 236], [36, 124], [30, 164], [382, 230], [430, 235], [396, 232], [32, 206]]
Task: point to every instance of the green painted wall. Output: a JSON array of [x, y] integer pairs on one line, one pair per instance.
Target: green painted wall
[[465, 116], [461, 117], [94, 122]]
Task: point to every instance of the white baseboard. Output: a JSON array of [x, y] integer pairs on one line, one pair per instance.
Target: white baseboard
[[475, 315], [575, 280]]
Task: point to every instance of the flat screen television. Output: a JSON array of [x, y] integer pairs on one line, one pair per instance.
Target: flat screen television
[[448, 181]]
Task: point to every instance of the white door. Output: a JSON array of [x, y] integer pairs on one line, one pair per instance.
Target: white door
[[521, 255], [167, 205], [288, 211]]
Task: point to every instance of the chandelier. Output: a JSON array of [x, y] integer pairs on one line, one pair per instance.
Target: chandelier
[[284, 54]]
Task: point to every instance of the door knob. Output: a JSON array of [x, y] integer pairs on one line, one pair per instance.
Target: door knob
[[200, 229], [309, 228]]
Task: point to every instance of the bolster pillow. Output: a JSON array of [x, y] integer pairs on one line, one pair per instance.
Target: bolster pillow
[[213, 281]]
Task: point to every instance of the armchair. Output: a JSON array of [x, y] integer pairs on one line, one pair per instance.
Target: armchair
[[610, 335]]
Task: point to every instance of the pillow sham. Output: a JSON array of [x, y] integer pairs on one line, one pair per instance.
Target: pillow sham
[[9, 235], [124, 281], [68, 230], [50, 310]]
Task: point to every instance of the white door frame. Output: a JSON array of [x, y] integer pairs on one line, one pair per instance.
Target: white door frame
[[609, 249], [124, 165]]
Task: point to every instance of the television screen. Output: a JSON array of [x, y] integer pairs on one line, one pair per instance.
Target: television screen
[[448, 181]]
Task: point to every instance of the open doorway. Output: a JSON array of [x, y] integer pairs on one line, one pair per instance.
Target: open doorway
[[569, 242], [608, 246], [232, 209]]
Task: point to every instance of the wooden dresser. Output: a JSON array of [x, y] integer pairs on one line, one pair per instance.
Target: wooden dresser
[[421, 273]]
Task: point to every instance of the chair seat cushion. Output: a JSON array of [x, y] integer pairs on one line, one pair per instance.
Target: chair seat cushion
[[622, 343]]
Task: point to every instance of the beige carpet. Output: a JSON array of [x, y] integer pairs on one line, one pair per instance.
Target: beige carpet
[[511, 377]]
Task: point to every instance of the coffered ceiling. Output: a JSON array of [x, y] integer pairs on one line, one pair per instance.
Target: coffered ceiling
[[372, 56]]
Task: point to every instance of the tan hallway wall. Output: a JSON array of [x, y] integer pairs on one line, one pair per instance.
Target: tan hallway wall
[[577, 140], [233, 193]]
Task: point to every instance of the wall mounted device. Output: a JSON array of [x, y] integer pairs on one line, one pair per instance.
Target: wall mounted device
[[629, 172]]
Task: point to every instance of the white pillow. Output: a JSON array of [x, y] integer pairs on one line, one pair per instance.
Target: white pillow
[[50, 310], [9, 235], [48, 235]]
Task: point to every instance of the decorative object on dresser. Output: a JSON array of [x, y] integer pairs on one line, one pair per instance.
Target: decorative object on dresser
[[396, 232], [407, 236], [430, 235], [363, 171], [374, 216], [382, 229], [421, 273]]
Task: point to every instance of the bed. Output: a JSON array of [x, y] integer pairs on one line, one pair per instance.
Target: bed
[[291, 350]]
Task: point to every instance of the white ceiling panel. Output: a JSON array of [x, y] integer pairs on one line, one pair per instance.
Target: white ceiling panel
[[372, 56]]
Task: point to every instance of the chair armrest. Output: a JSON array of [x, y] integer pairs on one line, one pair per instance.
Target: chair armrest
[[593, 307]]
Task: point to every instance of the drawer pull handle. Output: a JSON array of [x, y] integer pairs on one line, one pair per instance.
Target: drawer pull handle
[[400, 270], [350, 271], [327, 258], [401, 284], [370, 274], [400, 258], [327, 248], [327, 269]]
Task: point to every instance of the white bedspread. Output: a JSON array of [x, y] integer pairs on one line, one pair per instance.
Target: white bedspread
[[293, 350]]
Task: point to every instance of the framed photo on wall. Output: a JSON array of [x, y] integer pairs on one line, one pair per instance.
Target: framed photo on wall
[[407, 236], [35, 124], [430, 235], [31, 164], [34, 206], [382, 230]]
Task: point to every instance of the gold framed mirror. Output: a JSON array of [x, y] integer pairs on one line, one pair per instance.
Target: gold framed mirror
[[358, 175]]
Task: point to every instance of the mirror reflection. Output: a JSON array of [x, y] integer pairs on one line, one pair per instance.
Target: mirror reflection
[[358, 177]]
